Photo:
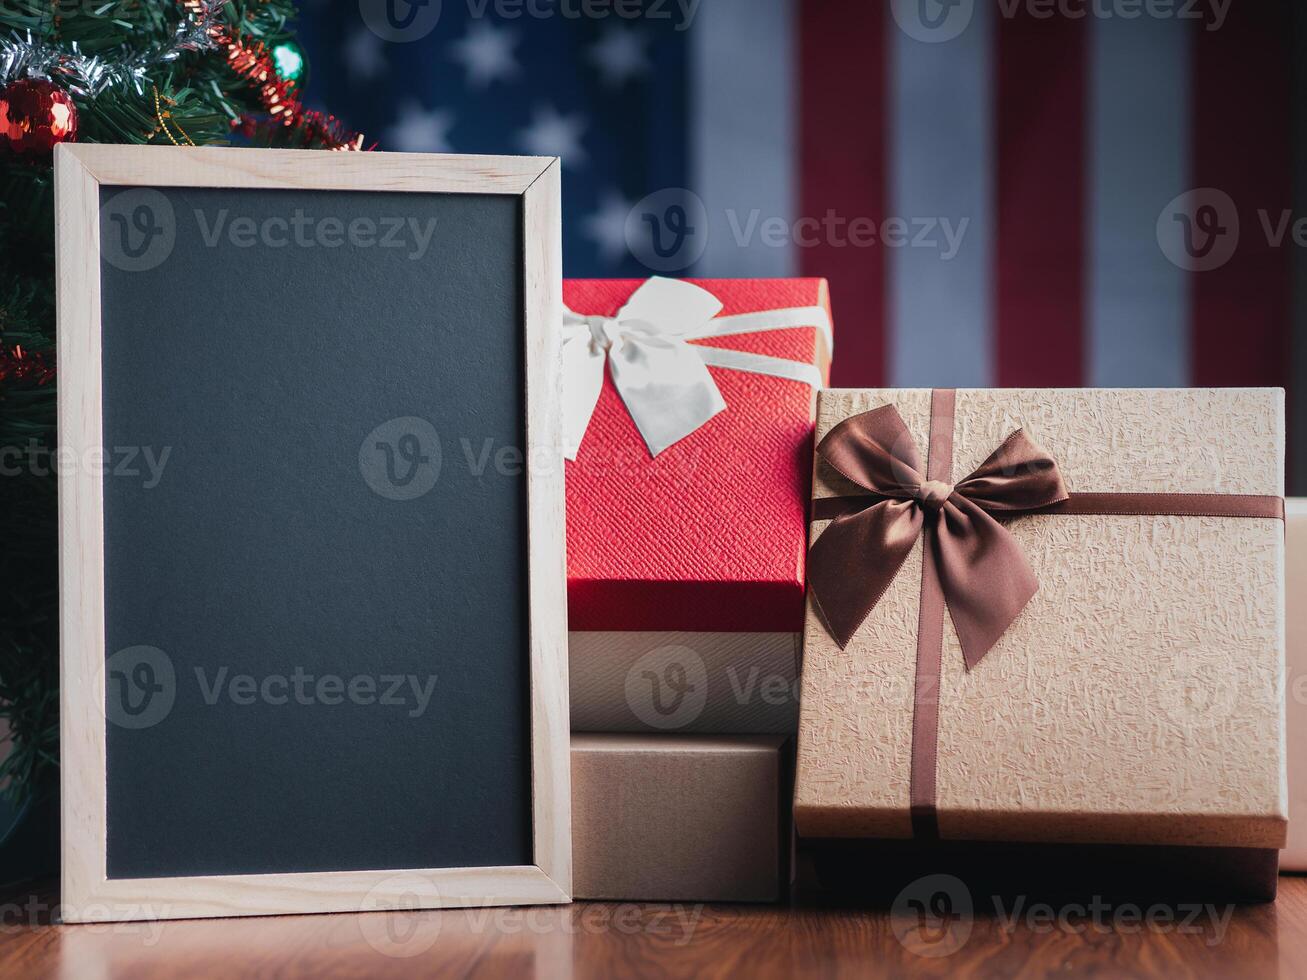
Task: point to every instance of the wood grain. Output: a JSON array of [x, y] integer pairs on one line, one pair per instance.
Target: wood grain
[[81, 516], [603, 940], [546, 527], [218, 166]]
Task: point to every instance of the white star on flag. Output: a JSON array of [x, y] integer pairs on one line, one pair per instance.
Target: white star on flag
[[607, 226], [363, 55], [552, 134], [486, 52], [620, 55], [419, 130]]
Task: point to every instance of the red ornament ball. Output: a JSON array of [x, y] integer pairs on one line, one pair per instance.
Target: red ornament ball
[[35, 115]]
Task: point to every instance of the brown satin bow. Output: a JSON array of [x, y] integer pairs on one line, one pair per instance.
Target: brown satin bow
[[984, 576]]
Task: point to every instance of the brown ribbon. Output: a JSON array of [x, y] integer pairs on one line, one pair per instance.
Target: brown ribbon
[[971, 565]]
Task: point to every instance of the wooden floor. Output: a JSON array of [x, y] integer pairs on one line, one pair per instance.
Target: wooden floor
[[605, 940]]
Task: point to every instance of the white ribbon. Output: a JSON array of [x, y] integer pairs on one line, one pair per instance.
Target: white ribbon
[[664, 380]]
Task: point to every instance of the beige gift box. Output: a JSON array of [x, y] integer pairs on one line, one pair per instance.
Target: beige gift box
[[1294, 857], [1137, 699]]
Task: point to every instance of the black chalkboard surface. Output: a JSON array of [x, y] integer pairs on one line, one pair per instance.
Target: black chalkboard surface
[[317, 605], [268, 569]]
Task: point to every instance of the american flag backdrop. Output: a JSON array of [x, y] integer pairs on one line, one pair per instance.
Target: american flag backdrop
[[1002, 192]]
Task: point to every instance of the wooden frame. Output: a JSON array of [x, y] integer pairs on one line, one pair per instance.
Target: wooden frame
[[87, 893]]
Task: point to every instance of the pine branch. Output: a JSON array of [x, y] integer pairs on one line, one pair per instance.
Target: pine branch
[[207, 96]]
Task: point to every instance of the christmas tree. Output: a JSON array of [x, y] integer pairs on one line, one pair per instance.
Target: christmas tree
[[182, 72]]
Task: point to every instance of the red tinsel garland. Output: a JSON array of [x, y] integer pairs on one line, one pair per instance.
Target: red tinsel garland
[[251, 61], [17, 364]]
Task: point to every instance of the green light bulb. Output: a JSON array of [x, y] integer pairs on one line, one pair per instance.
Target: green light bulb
[[289, 61]]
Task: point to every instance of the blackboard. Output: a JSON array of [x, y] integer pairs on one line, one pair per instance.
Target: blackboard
[[316, 525]]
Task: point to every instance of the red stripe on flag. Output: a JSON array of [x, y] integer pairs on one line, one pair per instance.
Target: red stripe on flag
[[1041, 163], [842, 122], [1241, 129]]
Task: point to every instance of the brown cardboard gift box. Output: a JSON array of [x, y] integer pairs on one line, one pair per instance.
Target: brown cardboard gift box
[[689, 682], [678, 818], [1136, 699]]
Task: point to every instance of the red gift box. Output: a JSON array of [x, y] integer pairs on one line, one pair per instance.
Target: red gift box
[[710, 534]]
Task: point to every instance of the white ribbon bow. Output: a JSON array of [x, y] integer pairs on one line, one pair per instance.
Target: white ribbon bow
[[663, 380]]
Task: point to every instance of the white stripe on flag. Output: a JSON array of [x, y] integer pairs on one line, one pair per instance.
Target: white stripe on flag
[[743, 132], [941, 170], [1138, 302]]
